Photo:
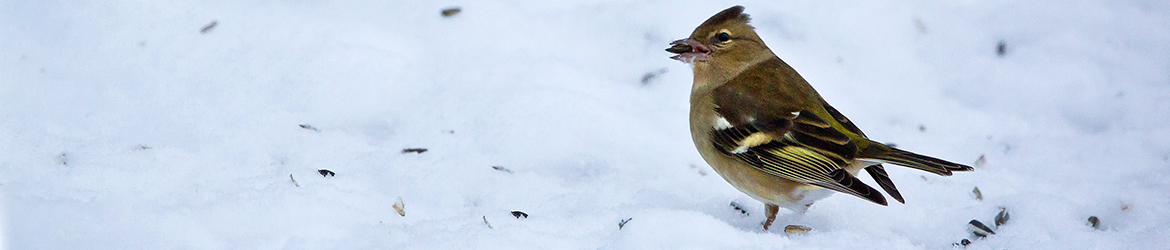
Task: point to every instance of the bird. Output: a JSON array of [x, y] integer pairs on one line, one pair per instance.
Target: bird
[[769, 134]]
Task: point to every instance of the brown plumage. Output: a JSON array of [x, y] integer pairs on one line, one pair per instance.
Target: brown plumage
[[766, 131]]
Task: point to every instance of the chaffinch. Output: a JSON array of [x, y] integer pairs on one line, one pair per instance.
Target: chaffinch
[[766, 131]]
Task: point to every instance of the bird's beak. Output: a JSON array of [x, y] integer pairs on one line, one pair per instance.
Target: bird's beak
[[689, 50]]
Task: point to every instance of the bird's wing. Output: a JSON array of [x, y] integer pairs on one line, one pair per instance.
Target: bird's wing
[[877, 171], [766, 126], [840, 118], [806, 153]]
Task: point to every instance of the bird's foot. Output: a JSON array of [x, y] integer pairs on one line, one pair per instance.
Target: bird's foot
[[770, 213]]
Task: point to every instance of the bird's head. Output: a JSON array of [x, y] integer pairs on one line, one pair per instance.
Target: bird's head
[[725, 40]]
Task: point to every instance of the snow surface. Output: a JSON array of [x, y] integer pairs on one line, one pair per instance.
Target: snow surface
[[122, 126]]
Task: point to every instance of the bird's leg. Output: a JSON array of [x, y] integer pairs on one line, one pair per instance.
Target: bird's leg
[[770, 212]]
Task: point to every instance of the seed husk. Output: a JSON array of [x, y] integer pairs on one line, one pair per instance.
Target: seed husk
[[739, 208], [208, 27], [452, 11], [401, 208], [979, 229], [502, 169], [963, 242], [679, 49], [1002, 217], [310, 127], [414, 150], [796, 229]]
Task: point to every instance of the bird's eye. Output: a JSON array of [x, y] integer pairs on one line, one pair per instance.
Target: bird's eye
[[723, 37]]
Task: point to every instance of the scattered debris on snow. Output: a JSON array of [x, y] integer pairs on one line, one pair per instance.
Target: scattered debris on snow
[[502, 169], [209, 27], [700, 170], [739, 208], [401, 208], [796, 229], [623, 223], [979, 229], [452, 11], [63, 159], [963, 242], [649, 76], [921, 26], [310, 127], [1001, 48], [1002, 218]]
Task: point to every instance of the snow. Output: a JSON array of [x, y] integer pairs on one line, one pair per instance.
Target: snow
[[122, 126]]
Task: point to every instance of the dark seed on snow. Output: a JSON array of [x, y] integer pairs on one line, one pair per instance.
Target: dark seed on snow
[[739, 208], [208, 27], [517, 214], [979, 229], [965, 242], [1094, 222], [1002, 217], [309, 127], [649, 76], [449, 12], [502, 169], [326, 172], [1001, 48], [63, 159]]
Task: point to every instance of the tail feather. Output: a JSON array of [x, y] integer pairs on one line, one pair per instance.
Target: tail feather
[[879, 175], [851, 185], [880, 152]]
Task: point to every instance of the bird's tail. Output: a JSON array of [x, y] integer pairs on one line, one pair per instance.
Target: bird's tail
[[881, 152]]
